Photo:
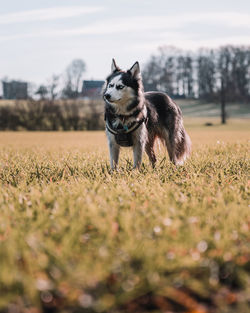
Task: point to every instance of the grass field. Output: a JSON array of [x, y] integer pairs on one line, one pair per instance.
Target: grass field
[[75, 237]]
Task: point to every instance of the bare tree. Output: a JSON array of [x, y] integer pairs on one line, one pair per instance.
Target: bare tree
[[206, 71], [42, 91], [224, 68], [241, 72], [151, 74], [74, 73], [53, 83], [160, 71]]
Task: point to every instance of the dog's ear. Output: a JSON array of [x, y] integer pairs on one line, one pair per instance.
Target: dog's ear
[[135, 70], [114, 67]]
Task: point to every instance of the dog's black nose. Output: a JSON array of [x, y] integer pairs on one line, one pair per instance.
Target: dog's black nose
[[107, 96]]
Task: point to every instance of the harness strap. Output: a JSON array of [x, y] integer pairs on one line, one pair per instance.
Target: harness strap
[[133, 114], [135, 125]]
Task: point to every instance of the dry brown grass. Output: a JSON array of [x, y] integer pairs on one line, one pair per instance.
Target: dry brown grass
[[75, 237]]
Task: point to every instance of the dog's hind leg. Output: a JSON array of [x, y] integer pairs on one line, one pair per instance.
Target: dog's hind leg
[[170, 145]]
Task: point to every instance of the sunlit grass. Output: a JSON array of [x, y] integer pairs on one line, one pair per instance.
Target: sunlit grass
[[76, 237]]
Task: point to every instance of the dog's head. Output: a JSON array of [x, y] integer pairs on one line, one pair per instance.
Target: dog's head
[[122, 87]]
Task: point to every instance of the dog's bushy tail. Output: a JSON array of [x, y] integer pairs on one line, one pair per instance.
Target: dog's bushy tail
[[182, 146]]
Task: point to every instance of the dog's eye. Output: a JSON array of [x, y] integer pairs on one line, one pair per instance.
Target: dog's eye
[[119, 87], [111, 85]]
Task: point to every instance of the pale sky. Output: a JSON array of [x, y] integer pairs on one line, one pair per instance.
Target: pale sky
[[39, 38]]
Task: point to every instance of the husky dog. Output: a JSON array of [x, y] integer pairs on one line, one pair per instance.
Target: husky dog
[[136, 119]]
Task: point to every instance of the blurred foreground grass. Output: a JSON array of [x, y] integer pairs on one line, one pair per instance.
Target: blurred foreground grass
[[76, 238]]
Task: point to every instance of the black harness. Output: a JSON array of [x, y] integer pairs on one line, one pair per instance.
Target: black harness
[[123, 133]]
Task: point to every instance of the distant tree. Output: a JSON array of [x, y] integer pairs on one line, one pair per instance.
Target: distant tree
[[74, 73], [42, 91], [189, 76], [168, 75], [68, 92], [226, 82], [241, 72], [151, 74], [167, 61], [159, 73], [53, 83], [184, 75], [223, 100], [206, 73]]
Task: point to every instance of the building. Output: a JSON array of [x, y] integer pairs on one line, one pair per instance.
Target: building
[[15, 90], [92, 88]]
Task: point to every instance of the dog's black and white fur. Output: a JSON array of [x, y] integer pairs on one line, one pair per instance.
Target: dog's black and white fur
[[140, 118]]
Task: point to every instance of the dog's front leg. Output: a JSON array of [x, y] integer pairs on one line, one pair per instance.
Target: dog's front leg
[[114, 150], [137, 151]]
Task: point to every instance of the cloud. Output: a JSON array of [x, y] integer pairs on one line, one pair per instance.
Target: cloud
[[171, 29], [46, 14], [152, 23], [190, 44]]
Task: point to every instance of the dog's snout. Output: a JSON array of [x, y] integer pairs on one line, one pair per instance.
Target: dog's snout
[[107, 96]]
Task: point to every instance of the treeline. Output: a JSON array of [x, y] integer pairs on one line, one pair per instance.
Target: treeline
[[46, 115], [208, 74]]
